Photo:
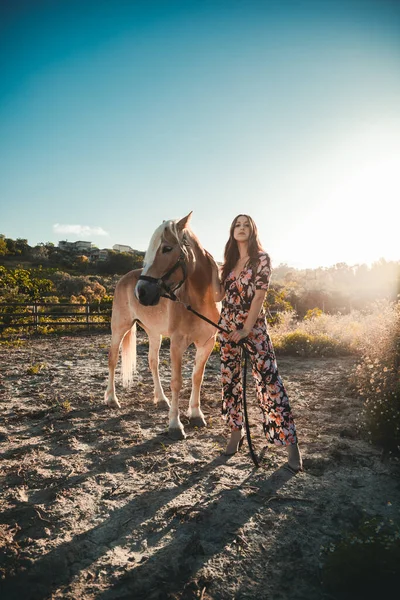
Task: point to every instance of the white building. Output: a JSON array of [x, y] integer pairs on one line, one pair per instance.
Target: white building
[[79, 246], [122, 248], [66, 246]]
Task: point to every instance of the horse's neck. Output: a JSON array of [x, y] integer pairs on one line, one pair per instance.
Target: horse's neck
[[198, 283]]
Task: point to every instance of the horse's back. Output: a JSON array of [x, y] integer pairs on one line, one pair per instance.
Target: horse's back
[[165, 318]]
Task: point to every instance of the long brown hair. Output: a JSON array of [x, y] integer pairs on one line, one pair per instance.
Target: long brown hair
[[231, 254]]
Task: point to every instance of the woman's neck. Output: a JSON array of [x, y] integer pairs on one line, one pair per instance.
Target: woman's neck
[[243, 248]]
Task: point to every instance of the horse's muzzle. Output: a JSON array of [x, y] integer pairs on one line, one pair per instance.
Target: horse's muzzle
[[148, 293]]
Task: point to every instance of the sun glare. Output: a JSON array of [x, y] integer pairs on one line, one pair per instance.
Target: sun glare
[[367, 200], [347, 202]]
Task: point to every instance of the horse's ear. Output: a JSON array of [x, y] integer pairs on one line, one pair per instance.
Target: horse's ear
[[183, 223]]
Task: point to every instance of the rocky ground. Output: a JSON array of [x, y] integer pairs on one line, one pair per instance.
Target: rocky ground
[[99, 503]]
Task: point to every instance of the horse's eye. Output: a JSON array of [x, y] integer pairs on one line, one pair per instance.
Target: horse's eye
[[166, 249]]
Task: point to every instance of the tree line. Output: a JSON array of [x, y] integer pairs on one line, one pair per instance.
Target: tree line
[[49, 255], [47, 272]]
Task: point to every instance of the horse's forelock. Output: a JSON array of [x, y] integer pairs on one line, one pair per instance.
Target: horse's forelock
[[154, 244], [168, 232]]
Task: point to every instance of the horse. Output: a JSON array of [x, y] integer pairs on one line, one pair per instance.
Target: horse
[[176, 267]]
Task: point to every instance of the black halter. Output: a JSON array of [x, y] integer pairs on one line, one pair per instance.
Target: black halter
[[168, 291]]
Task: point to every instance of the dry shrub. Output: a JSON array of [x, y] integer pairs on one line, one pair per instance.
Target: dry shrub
[[348, 333], [376, 380]]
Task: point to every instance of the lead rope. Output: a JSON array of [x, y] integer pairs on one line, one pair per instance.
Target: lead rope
[[245, 353], [246, 418]]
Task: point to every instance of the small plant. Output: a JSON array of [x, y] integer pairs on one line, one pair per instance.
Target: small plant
[[216, 348], [165, 342], [313, 313], [35, 369], [364, 563], [66, 406]]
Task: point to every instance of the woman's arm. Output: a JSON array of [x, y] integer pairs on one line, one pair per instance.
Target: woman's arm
[[254, 311]]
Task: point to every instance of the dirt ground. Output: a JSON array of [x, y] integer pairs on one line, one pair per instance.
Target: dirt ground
[[99, 503]]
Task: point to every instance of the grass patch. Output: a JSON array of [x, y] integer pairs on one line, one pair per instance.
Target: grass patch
[[13, 343]]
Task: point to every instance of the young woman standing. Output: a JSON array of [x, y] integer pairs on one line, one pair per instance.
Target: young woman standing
[[244, 282]]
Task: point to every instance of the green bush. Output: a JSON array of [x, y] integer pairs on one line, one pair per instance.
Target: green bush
[[364, 563], [300, 343]]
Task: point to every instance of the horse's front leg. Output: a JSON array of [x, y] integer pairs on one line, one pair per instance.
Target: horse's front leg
[[194, 411], [175, 429], [154, 347]]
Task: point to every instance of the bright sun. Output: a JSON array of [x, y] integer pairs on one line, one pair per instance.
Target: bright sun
[[358, 213]]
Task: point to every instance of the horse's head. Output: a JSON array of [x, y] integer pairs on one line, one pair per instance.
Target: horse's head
[[165, 262]]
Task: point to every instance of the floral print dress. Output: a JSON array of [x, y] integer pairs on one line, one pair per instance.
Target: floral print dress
[[278, 421]]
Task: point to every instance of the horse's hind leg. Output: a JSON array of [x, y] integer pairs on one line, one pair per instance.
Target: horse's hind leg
[[110, 395], [154, 347], [194, 411]]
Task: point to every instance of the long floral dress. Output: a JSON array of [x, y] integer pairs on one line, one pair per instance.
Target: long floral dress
[[278, 421]]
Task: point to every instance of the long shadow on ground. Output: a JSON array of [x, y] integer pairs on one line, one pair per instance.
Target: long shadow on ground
[[169, 568]]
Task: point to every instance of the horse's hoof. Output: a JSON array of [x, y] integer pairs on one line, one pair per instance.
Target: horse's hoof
[[161, 403], [198, 422], [176, 433], [113, 403]]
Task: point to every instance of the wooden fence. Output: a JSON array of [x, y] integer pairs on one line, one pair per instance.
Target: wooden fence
[[39, 316]]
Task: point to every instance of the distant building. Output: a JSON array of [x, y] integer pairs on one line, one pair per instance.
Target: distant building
[[122, 248], [99, 255], [92, 251], [79, 246], [66, 246], [103, 254]]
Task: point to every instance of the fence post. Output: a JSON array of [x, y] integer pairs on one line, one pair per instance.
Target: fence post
[[87, 316], [35, 315]]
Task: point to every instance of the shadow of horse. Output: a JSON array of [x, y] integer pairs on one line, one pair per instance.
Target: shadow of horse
[[206, 528]]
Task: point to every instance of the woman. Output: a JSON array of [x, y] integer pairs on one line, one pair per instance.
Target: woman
[[245, 278]]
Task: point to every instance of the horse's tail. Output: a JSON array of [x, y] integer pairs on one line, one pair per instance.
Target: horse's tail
[[128, 356]]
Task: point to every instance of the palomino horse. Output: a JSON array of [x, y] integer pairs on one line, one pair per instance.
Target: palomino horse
[[174, 262]]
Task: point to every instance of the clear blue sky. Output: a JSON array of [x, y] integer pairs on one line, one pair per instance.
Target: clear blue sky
[[115, 115]]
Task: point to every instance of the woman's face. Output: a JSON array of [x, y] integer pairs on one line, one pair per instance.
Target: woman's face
[[242, 229]]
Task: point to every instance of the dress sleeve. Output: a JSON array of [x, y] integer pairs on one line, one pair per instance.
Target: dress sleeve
[[263, 273]]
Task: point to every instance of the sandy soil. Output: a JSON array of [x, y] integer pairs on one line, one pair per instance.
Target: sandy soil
[[98, 503]]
